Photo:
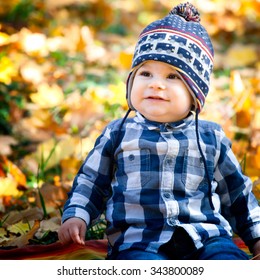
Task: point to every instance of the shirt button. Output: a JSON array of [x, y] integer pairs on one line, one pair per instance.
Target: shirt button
[[172, 222], [167, 195], [131, 157]]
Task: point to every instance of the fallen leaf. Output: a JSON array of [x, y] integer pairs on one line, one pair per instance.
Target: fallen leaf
[[52, 224], [11, 178], [33, 43], [8, 186], [20, 227], [243, 118], [71, 165], [32, 72], [7, 70], [125, 58], [50, 4], [117, 96], [240, 55], [50, 153], [48, 96], [4, 39], [82, 109], [22, 240], [5, 144], [30, 214], [3, 235], [53, 196]]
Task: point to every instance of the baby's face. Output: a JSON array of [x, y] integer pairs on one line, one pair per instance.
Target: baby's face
[[159, 94]]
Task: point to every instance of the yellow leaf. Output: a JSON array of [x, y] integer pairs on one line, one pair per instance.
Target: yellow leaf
[[253, 163], [13, 171], [118, 94], [19, 227], [4, 38], [256, 187], [48, 96], [240, 94], [7, 70], [241, 55], [61, 150], [147, 4], [85, 145], [125, 59], [23, 239], [8, 186], [71, 165], [41, 118]]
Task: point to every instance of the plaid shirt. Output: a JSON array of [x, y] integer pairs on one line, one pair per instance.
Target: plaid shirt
[[154, 180]]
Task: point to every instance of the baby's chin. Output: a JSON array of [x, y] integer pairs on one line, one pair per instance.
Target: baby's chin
[[160, 119]]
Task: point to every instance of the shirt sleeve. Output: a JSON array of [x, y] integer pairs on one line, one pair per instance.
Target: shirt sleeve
[[91, 185], [239, 205]]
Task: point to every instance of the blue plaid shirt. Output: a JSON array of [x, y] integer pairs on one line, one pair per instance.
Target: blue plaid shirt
[[153, 180]]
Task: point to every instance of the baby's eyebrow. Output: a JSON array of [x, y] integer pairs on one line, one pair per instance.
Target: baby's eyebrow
[[173, 69], [144, 67], [175, 72]]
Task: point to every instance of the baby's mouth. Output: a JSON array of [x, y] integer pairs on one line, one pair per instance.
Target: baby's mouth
[[156, 98]]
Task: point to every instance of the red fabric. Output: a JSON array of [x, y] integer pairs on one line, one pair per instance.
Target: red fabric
[[93, 250]]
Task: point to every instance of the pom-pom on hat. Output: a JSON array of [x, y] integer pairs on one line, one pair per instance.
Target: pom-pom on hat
[[181, 41]]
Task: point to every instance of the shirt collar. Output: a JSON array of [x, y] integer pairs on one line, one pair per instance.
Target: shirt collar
[[152, 125]]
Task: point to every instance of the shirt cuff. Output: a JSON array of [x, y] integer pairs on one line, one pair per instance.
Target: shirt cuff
[[76, 213]]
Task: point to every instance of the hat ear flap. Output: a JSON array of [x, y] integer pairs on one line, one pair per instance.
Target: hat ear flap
[[129, 85]]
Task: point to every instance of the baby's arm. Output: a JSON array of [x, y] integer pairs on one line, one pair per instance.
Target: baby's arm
[[73, 230]]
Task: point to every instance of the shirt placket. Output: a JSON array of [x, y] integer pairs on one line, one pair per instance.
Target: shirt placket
[[172, 207]]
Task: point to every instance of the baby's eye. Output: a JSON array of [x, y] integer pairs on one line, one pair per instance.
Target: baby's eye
[[173, 76], [145, 73]]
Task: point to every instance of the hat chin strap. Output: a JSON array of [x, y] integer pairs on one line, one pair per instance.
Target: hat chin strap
[[204, 161]]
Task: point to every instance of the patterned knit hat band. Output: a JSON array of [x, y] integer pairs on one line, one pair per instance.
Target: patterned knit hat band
[[183, 44]]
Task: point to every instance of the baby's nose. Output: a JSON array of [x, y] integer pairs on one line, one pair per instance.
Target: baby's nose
[[157, 83]]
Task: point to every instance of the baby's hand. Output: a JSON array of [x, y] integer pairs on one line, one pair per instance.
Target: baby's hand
[[73, 230]]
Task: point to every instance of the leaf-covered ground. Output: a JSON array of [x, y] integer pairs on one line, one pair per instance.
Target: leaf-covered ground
[[63, 66]]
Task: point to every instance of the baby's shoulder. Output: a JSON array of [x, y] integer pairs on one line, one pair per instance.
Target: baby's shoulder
[[119, 124], [114, 125], [209, 126]]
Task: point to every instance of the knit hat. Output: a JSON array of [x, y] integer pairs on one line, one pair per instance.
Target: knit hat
[[181, 41]]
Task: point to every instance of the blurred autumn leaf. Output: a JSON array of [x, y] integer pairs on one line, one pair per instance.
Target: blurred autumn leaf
[[11, 178], [63, 67]]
